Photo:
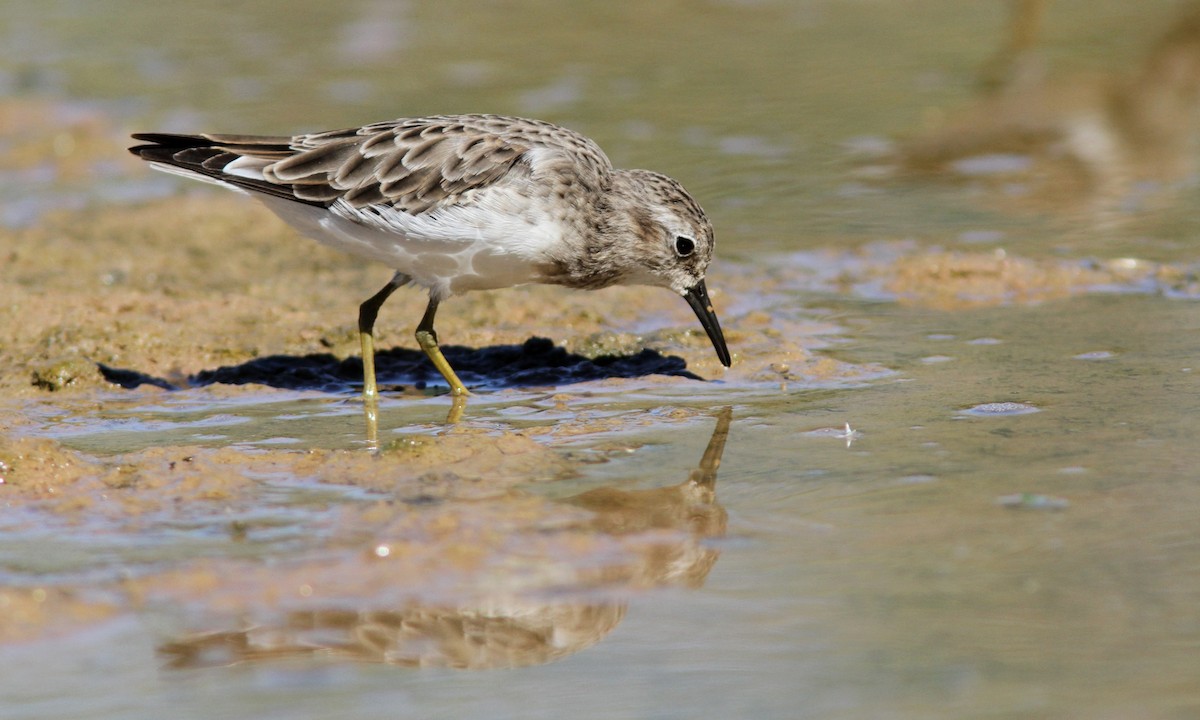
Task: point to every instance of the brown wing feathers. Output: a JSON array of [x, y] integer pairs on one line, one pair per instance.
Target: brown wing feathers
[[411, 166]]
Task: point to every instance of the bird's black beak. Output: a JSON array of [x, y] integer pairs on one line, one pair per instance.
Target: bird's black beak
[[697, 297]]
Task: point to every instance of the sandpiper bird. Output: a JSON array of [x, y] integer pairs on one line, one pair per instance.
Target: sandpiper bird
[[464, 202]]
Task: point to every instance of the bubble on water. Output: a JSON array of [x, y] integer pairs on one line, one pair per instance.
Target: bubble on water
[[1032, 501], [985, 341], [997, 409], [1095, 355], [845, 432]]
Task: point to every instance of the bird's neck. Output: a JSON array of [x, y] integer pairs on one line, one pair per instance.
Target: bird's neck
[[602, 239]]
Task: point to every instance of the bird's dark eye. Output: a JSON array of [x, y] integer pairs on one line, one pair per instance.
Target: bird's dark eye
[[684, 246]]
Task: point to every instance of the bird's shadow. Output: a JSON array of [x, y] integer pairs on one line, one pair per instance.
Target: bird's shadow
[[534, 363]]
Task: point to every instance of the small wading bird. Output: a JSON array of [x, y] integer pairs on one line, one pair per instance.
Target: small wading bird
[[464, 202]]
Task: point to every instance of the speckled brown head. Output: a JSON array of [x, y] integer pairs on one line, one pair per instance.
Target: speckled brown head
[[664, 238]]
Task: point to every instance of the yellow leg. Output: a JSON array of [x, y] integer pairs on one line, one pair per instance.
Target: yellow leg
[[427, 339], [457, 405], [367, 312]]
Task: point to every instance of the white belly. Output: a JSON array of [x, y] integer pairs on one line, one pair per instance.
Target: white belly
[[476, 247]]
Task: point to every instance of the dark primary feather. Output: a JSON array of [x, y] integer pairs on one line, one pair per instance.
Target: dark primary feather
[[209, 154], [412, 164]]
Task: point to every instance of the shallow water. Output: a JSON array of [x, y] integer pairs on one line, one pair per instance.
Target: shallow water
[[971, 491]]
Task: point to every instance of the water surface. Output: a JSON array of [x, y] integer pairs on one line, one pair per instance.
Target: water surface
[[958, 478]]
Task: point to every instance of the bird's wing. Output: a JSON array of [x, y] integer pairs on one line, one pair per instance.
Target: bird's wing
[[412, 165]]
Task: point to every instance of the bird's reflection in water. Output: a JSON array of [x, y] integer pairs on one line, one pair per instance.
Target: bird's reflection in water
[[504, 636], [1083, 143], [505, 632]]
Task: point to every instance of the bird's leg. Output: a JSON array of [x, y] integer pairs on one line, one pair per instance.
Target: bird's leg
[[427, 339], [457, 405], [367, 312]]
